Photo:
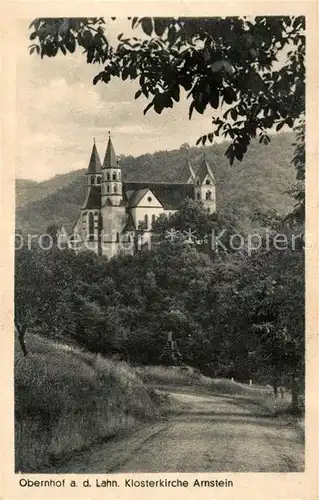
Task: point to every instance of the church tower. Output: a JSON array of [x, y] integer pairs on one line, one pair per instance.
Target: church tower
[[187, 175], [111, 177], [94, 174], [205, 186], [112, 206], [89, 223]]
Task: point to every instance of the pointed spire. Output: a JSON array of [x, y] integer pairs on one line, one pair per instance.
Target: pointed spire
[[95, 162], [110, 159], [188, 174], [204, 170]]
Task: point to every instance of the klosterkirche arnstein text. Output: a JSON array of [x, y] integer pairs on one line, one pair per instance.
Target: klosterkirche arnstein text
[[114, 210]]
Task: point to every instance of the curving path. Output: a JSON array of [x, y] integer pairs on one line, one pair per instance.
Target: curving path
[[202, 433]]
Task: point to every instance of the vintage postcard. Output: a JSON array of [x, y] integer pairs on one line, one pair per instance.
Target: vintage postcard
[[159, 197]]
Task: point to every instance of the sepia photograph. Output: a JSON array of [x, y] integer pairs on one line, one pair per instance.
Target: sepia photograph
[[159, 246]]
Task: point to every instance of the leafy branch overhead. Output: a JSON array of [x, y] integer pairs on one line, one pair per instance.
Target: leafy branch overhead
[[251, 69]]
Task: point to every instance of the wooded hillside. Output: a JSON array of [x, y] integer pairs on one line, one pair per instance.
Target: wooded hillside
[[257, 184]]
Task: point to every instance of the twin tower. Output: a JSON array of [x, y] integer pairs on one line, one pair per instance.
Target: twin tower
[[108, 177]]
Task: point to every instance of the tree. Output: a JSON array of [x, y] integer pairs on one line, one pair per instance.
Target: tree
[[191, 218], [29, 299], [270, 294]]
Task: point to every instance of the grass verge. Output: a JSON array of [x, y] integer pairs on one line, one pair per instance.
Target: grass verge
[[66, 400]]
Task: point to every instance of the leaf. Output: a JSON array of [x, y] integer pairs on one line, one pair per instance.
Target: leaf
[[125, 73], [229, 95], [70, 43], [134, 22], [97, 78], [233, 114], [147, 25], [171, 37], [199, 104], [148, 107], [216, 66], [279, 126], [228, 67], [290, 122], [214, 98], [138, 93], [160, 24], [191, 109], [175, 93]]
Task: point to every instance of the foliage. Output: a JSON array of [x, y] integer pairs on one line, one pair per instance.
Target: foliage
[[190, 217], [299, 162], [217, 61]]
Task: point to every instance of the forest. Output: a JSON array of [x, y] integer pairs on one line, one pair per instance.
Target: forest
[[232, 312]]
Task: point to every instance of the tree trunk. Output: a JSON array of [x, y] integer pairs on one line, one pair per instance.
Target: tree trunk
[[294, 393], [21, 336], [275, 387]]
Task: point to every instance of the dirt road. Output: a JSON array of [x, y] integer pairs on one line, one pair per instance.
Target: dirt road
[[202, 433]]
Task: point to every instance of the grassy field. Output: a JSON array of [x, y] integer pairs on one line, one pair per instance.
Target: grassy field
[[66, 399]]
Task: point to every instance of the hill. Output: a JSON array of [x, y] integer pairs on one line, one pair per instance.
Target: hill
[[28, 191], [257, 184]]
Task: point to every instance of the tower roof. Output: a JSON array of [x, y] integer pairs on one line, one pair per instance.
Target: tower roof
[[204, 170], [110, 159], [95, 162], [93, 199], [187, 174]]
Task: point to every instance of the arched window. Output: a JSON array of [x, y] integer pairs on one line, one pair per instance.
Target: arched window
[[108, 189], [207, 181], [108, 176], [146, 220], [153, 219], [209, 195], [92, 180], [91, 227], [117, 237], [115, 188], [198, 182], [98, 180], [198, 196]]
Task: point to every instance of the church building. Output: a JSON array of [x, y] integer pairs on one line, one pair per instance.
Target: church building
[[115, 211]]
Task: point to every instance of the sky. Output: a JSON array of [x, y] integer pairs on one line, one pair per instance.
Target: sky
[[60, 111]]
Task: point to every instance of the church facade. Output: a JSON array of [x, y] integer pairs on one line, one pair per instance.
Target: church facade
[[115, 211]]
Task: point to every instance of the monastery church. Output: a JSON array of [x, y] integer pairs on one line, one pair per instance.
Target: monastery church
[[114, 210]]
